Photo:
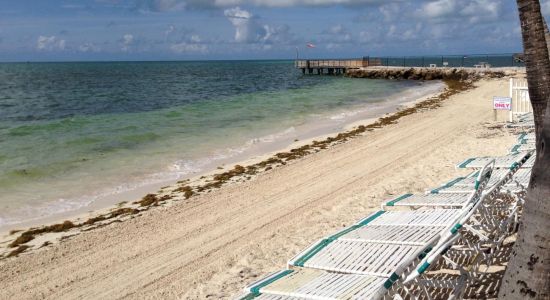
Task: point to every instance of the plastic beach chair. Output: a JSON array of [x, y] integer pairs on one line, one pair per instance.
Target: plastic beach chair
[[315, 284], [362, 261], [526, 121], [480, 234], [460, 199], [529, 163], [524, 147], [511, 161], [377, 245], [526, 138], [465, 185]]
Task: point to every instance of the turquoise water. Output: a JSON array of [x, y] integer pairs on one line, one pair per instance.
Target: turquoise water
[[71, 133]]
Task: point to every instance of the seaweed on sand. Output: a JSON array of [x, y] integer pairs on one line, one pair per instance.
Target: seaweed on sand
[[18, 251], [29, 234]]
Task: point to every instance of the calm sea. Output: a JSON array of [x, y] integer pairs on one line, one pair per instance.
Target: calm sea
[[71, 133]]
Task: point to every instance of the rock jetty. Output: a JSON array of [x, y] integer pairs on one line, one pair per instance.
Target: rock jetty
[[425, 73]]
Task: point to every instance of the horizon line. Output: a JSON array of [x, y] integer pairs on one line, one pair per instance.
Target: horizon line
[[258, 59]]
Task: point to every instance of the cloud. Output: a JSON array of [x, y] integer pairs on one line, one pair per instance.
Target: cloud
[[336, 34], [389, 11], [278, 35], [439, 8], [473, 11], [49, 43], [249, 30], [174, 34], [89, 47], [336, 29], [171, 5], [184, 40], [127, 42], [160, 5], [185, 48]]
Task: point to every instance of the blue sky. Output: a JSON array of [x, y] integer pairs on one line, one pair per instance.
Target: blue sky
[[253, 29]]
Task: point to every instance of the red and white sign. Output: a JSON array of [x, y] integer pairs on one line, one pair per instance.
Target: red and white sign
[[502, 103]]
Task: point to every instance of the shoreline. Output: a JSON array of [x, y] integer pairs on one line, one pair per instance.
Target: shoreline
[[37, 235], [216, 242], [360, 114]]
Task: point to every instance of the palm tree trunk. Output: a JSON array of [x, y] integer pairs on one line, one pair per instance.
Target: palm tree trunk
[[528, 272], [536, 57]]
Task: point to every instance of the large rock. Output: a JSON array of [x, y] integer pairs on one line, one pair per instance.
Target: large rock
[[423, 73]]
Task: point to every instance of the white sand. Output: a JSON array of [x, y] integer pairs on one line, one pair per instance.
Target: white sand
[[212, 245]]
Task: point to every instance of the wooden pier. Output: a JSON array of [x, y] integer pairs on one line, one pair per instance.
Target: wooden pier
[[330, 66]]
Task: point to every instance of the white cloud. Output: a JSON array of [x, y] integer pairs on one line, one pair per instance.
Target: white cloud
[[333, 46], [161, 5], [170, 5], [171, 29], [89, 47], [49, 43], [472, 11], [337, 34], [369, 36], [195, 38], [288, 3], [189, 44], [480, 10], [336, 29], [389, 11], [247, 29], [439, 8], [127, 42], [183, 48]]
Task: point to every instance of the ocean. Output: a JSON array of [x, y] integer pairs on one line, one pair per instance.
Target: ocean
[[72, 134]]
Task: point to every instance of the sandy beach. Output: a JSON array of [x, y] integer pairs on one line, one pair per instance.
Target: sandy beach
[[211, 245]]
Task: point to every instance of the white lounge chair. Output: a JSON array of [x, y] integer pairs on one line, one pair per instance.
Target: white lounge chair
[[370, 259], [520, 181], [362, 261], [315, 284], [526, 137], [455, 200], [525, 121], [511, 161], [529, 163], [474, 244], [525, 147], [377, 245], [465, 185], [460, 199]]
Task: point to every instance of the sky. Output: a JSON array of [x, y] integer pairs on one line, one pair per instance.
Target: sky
[[71, 30]]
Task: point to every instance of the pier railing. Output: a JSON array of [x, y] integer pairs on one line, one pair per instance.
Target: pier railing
[[331, 63], [451, 61]]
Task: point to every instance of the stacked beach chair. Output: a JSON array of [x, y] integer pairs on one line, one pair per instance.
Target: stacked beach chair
[[524, 122], [526, 143], [399, 251]]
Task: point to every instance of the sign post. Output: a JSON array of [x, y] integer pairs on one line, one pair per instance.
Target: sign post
[[501, 103]]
